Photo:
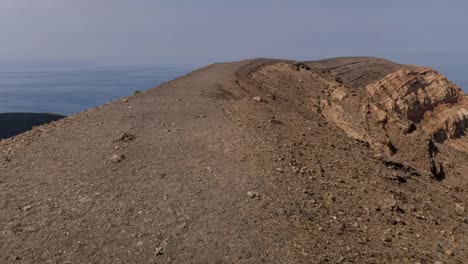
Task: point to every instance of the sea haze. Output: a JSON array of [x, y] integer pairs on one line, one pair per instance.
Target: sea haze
[[71, 88]]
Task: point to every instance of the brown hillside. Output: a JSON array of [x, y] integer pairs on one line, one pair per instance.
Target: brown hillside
[[258, 161]]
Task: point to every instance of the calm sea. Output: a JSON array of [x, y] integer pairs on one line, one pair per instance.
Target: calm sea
[[67, 89]]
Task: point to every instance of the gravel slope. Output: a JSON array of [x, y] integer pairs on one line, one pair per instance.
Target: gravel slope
[[228, 164]]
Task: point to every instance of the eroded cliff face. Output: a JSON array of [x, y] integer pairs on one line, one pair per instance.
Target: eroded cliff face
[[413, 91], [459, 126], [447, 122], [407, 113], [429, 103], [424, 96]]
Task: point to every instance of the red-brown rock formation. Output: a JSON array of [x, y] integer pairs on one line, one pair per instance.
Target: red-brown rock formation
[[413, 91]]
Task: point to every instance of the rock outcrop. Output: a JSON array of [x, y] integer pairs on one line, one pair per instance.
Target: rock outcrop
[[413, 91], [447, 122], [424, 96], [397, 109]]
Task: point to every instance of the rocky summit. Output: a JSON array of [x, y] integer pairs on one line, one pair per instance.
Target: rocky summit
[[345, 160]]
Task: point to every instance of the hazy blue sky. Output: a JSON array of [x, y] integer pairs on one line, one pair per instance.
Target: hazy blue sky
[[197, 32]]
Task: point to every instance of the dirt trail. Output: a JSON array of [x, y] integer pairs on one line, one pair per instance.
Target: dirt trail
[[232, 163]]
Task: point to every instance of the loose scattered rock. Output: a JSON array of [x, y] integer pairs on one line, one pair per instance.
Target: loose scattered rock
[[125, 137], [257, 98], [161, 247], [116, 158], [459, 207], [280, 170], [276, 122], [252, 194], [85, 199]]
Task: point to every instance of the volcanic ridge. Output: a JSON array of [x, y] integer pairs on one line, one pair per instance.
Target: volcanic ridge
[[345, 160]]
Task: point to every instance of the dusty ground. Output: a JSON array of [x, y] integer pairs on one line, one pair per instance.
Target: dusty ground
[[233, 163]]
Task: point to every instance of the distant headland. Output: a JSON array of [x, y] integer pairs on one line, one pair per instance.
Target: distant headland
[[12, 124]]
